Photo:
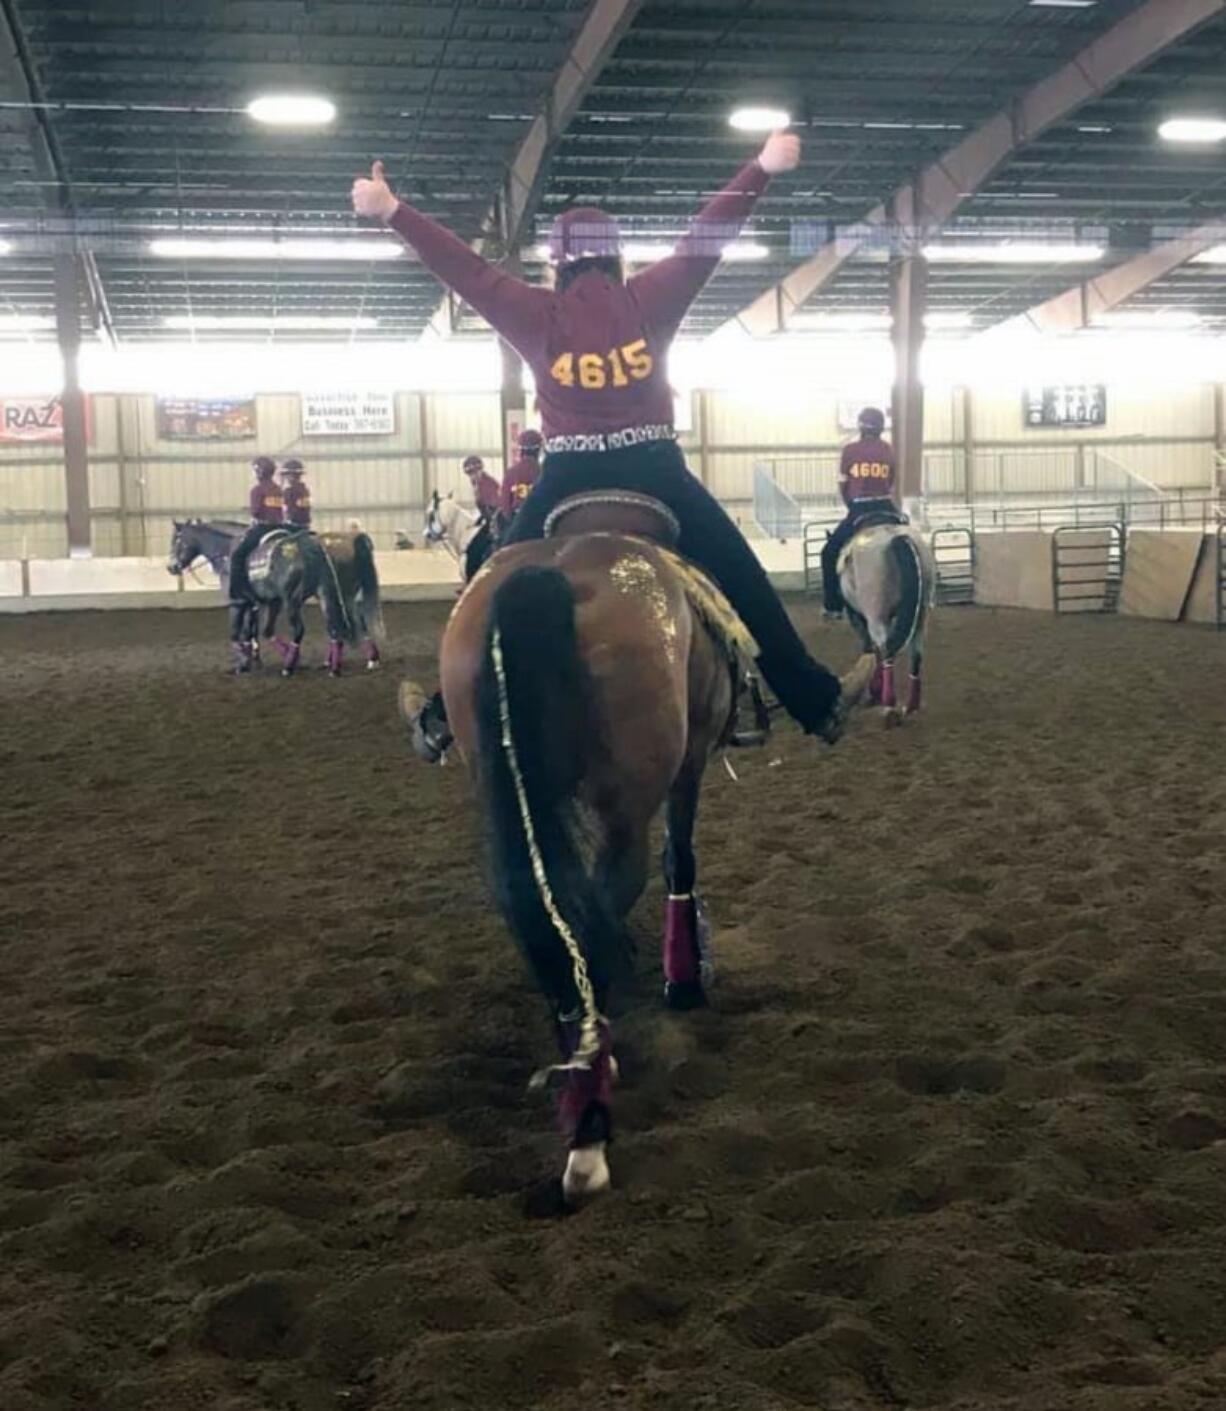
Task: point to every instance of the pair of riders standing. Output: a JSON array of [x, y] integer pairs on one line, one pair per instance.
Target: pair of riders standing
[[272, 505], [598, 344]]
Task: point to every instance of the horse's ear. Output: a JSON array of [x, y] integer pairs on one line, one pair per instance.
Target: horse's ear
[[177, 525]]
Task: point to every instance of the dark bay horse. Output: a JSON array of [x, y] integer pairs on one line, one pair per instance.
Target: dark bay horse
[[284, 571], [587, 689]]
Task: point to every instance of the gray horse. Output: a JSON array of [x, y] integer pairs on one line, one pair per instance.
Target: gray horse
[[887, 575]]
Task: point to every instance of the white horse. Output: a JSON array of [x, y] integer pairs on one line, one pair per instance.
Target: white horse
[[887, 575], [449, 523]]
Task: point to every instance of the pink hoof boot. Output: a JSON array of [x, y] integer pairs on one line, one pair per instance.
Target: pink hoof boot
[[683, 959], [914, 694]]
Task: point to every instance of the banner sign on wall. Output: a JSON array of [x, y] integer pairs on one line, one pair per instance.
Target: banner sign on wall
[[1078, 404], [29, 419], [851, 407], [198, 419], [348, 414]]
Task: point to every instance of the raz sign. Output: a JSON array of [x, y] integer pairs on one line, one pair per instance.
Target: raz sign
[[348, 414]]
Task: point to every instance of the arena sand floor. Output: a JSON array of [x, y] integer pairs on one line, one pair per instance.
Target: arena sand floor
[[952, 1134]]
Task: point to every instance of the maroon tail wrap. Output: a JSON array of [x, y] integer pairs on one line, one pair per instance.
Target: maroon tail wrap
[[682, 958], [585, 1094]]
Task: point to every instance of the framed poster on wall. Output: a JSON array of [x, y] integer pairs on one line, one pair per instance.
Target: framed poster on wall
[[198, 419], [1072, 404], [348, 414]]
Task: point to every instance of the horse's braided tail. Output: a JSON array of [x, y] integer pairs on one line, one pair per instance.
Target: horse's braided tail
[[535, 729], [368, 584], [911, 604]]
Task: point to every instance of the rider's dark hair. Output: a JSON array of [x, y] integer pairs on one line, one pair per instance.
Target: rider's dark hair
[[608, 265]]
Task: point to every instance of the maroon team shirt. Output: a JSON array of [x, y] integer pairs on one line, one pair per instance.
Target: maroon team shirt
[[486, 492], [598, 350], [517, 481], [867, 471], [266, 503], [298, 505]]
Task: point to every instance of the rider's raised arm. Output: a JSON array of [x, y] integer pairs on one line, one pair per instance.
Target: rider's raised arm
[[668, 288], [516, 310]]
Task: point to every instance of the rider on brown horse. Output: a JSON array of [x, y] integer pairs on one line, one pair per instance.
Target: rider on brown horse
[[598, 345]]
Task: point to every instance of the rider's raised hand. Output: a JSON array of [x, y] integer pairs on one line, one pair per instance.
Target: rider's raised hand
[[780, 153], [373, 197]]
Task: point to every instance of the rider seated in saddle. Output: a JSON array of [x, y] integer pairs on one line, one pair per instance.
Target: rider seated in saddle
[[297, 495], [866, 483], [598, 344], [487, 494], [267, 506], [519, 478]]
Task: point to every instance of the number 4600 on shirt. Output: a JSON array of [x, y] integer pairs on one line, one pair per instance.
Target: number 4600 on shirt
[[618, 367]]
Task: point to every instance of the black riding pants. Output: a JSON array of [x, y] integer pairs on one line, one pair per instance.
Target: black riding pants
[[480, 547], [806, 690], [839, 538]]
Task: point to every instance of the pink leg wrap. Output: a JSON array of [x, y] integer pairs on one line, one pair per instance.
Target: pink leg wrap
[[914, 694], [372, 651], [874, 687], [336, 652], [888, 699], [581, 1087], [283, 646], [681, 956]]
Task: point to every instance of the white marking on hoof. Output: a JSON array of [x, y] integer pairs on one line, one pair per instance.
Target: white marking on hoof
[[586, 1175]]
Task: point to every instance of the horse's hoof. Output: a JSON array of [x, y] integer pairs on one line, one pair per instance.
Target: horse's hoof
[[287, 671], [684, 994], [892, 717], [586, 1175], [373, 665]]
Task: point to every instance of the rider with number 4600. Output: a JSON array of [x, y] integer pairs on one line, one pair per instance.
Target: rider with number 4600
[[597, 344]]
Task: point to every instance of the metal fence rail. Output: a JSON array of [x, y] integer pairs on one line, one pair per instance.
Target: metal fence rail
[[1087, 565], [954, 552]]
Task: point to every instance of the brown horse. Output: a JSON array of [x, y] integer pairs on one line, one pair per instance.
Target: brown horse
[[587, 685]]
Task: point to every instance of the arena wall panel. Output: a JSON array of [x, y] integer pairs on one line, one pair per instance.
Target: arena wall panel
[[1158, 572], [1201, 605], [1014, 570]]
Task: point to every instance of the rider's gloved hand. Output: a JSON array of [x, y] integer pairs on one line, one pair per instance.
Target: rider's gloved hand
[[373, 197], [780, 153]]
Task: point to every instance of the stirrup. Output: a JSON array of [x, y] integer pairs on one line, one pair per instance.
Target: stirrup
[[758, 735], [429, 737]]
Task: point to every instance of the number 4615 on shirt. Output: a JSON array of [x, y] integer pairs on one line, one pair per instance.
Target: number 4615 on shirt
[[618, 367]]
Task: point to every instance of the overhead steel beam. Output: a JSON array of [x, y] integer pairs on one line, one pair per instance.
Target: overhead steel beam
[[19, 82], [942, 187], [516, 201], [1077, 308]]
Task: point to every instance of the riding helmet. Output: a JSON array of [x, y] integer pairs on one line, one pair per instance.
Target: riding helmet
[[264, 466], [292, 467], [872, 419], [584, 233], [531, 441], [473, 464]]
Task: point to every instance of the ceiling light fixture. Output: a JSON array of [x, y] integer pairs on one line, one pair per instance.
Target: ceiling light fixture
[[759, 119], [210, 322], [1200, 131], [292, 110], [1020, 253], [357, 248]]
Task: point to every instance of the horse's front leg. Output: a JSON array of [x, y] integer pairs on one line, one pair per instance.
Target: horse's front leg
[[687, 959], [240, 640]]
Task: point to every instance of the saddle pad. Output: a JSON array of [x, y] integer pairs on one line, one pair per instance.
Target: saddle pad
[[712, 608], [260, 559]]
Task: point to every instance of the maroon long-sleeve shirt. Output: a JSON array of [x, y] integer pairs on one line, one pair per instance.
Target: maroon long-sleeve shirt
[[867, 470], [519, 477], [298, 504], [487, 493], [598, 349], [266, 503]]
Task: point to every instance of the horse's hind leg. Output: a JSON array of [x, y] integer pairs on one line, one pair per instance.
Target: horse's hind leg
[[291, 651], [889, 699], [684, 922], [914, 683]]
